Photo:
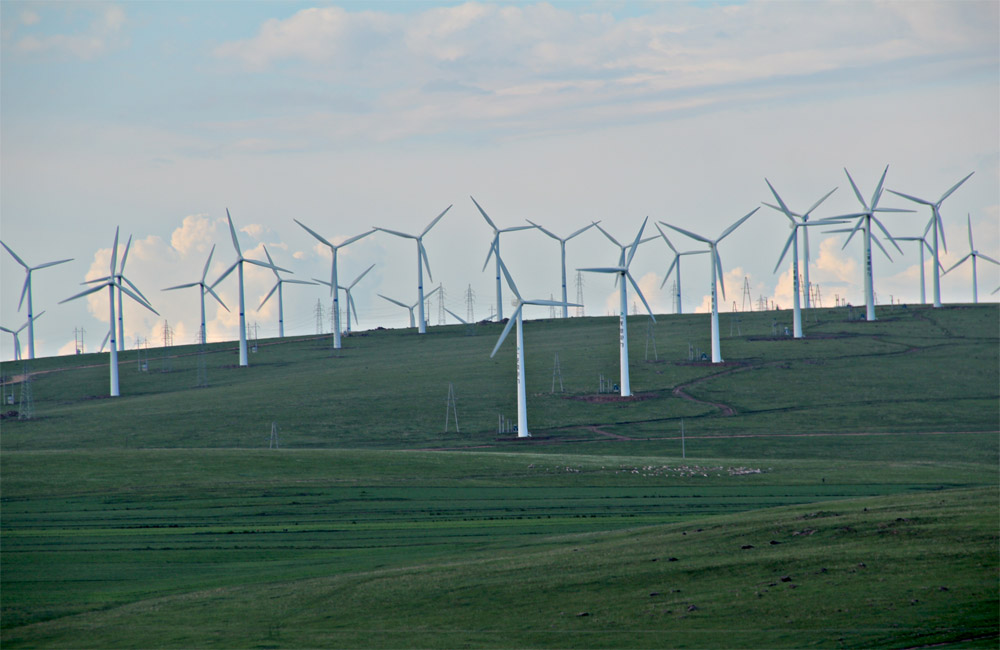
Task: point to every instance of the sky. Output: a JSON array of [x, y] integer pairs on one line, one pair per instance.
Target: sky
[[155, 117]]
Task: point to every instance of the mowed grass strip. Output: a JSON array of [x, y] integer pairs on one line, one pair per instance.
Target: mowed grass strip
[[892, 571]]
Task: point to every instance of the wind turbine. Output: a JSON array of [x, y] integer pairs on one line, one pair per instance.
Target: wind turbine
[[238, 265], [350, 300], [277, 287], [923, 244], [405, 306], [333, 275], [110, 283], [621, 247], [421, 263], [495, 250], [622, 272], [939, 226], [522, 400], [14, 333], [865, 219], [204, 289], [716, 263], [677, 263], [973, 254], [119, 278], [793, 241], [26, 290], [562, 249]]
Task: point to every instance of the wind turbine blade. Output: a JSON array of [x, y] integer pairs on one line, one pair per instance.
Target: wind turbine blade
[[9, 331], [436, 219], [550, 303], [988, 258], [607, 234], [957, 264], [216, 296], [139, 300], [940, 226], [423, 256], [485, 216], [878, 190], [128, 246], [456, 316], [14, 255], [48, 264], [134, 288], [506, 330], [953, 188], [355, 238], [886, 233], [264, 265], [722, 281], [968, 218], [879, 244], [784, 250], [114, 252], [547, 232], [429, 294], [635, 285], [290, 281], [105, 341], [323, 282], [24, 289], [688, 233], [232, 231], [510, 280], [783, 207], [396, 232], [363, 274], [314, 233], [183, 286], [271, 262], [853, 230], [225, 274], [605, 269], [660, 230], [269, 294], [817, 203], [354, 308], [736, 225], [106, 278], [84, 293], [857, 192], [911, 198], [635, 244], [393, 301], [580, 231], [207, 262], [669, 271], [515, 228], [493, 246]]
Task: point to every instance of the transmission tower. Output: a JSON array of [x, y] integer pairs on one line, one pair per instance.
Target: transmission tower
[[78, 333], [650, 338], [319, 317], [470, 305], [440, 304], [451, 409], [26, 409], [579, 293], [557, 375], [274, 436], [673, 297], [747, 300], [168, 335], [202, 381]]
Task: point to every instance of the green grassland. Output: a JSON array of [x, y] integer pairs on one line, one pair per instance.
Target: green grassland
[[859, 463]]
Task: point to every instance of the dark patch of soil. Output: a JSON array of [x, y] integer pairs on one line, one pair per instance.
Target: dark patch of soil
[[605, 398]]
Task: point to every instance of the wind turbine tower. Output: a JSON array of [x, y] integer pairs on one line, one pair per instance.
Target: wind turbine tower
[[277, 286], [973, 255], [562, 250], [676, 263], [204, 288], [26, 291]]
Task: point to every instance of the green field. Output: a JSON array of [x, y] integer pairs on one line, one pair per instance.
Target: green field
[[860, 463]]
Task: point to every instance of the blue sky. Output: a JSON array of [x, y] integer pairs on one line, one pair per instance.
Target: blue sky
[[156, 116]]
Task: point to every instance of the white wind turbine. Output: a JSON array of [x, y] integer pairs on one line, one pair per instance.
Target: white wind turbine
[[350, 300], [675, 263], [238, 265], [333, 275], [14, 333], [421, 263], [26, 290], [562, 250], [495, 250], [793, 241], [622, 272], [522, 400], [621, 247], [938, 227], [277, 287], [716, 263], [204, 288], [410, 308], [110, 283], [973, 255], [119, 279], [865, 219], [922, 245]]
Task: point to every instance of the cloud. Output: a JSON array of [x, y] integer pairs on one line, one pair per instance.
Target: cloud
[[102, 34], [195, 233]]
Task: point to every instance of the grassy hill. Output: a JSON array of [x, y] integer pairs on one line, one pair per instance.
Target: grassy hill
[[860, 463]]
